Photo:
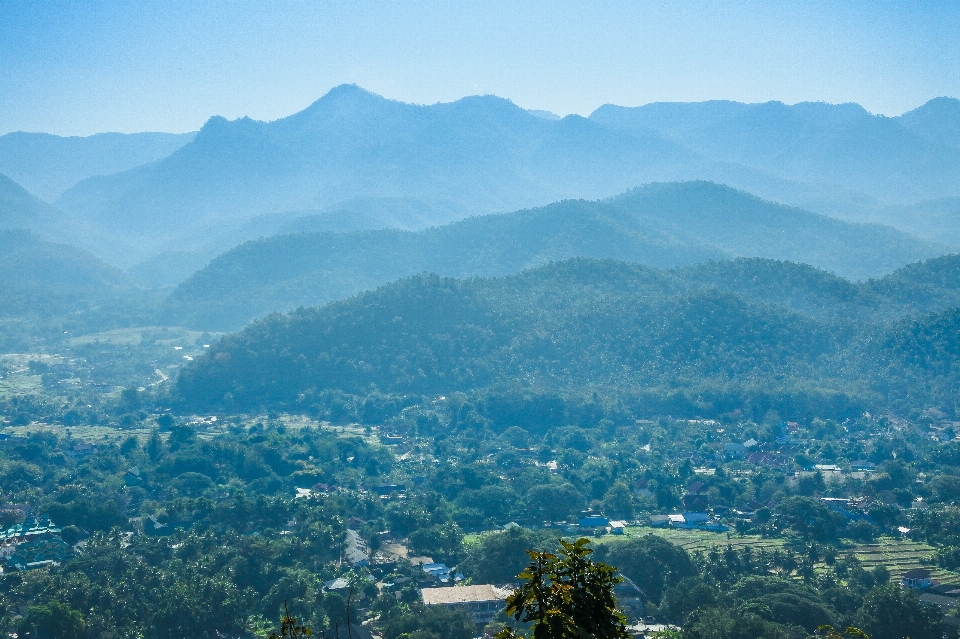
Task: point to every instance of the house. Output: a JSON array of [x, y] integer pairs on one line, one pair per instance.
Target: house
[[340, 584], [356, 550], [945, 596], [40, 553], [916, 579], [482, 602], [618, 527], [696, 496], [592, 519], [629, 599], [659, 521], [132, 477], [695, 518], [734, 450], [440, 572]]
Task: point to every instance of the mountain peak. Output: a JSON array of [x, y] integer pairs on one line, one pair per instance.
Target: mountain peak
[[345, 96]]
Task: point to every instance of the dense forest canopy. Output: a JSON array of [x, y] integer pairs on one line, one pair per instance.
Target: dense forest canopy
[[727, 329]]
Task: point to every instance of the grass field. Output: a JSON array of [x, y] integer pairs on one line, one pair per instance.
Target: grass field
[[704, 540], [901, 555], [167, 335]]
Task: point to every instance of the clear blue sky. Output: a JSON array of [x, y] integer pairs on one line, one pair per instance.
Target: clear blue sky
[[82, 67]]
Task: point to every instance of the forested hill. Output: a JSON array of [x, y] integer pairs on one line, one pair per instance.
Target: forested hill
[[663, 225], [581, 321], [591, 324]]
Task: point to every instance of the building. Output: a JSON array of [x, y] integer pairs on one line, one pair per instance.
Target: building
[[356, 550], [629, 599], [482, 602], [916, 579], [733, 450], [40, 553], [440, 572], [592, 519]]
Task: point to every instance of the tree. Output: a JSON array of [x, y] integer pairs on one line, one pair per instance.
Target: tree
[[618, 501], [442, 542], [811, 518], [499, 557], [52, 620], [432, 622], [552, 502], [890, 612], [567, 595], [653, 563], [289, 628]]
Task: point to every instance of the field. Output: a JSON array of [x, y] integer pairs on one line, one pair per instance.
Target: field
[[901, 555]]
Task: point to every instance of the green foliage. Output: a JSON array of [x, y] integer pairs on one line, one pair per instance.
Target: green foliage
[[432, 622], [652, 563], [566, 595], [810, 518], [289, 628], [52, 621], [892, 612], [499, 557]]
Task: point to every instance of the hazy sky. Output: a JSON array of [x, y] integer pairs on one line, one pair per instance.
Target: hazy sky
[[81, 67]]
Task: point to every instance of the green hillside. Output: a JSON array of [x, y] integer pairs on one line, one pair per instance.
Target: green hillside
[[732, 334], [666, 225], [49, 288], [579, 322]]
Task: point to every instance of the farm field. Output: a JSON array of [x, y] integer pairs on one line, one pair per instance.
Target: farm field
[[901, 555]]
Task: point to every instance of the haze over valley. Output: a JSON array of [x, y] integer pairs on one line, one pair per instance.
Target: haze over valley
[[327, 319]]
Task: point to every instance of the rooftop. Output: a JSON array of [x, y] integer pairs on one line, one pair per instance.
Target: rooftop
[[462, 594]]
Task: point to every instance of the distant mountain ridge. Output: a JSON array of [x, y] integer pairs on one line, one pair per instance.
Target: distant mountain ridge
[[483, 154], [19, 209], [662, 225], [909, 158], [47, 165]]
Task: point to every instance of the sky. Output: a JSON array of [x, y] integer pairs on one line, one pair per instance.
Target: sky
[[78, 68]]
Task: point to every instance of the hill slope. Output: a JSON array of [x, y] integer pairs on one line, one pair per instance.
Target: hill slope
[[580, 321], [664, 225], [42, 279], [47, 165], [717, 338], [19, 209]]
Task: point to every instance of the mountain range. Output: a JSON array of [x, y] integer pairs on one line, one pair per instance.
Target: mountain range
[[662, 225], [484, 154], [47, 165]]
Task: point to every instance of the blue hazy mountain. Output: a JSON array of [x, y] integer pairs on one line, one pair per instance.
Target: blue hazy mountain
[[897, 160], [938, 120], [662, 225], [47, 165], [483, 153], [169, 268], [19, 209]]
